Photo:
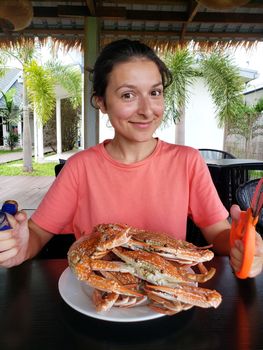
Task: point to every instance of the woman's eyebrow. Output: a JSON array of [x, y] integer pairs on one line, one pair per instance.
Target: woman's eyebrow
[[130, 86]]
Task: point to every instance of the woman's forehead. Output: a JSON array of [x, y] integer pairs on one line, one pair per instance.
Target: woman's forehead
[[134, 69]]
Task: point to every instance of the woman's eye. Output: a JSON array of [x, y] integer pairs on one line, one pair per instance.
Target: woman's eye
[[127, 95], [156, 92]]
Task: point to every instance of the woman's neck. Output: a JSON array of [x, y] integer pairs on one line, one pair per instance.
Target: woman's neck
[[130, 152]]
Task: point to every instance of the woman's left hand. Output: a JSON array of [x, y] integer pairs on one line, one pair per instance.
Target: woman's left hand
[[236, 252]]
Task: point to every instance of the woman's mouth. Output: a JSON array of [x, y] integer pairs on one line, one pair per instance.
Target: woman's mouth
[[141, 125]]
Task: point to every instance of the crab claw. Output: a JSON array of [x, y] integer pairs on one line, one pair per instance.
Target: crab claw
[[110, 286], [112, 235], [188, 294]]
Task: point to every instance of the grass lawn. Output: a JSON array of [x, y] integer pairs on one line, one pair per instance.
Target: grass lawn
[[16, 168]]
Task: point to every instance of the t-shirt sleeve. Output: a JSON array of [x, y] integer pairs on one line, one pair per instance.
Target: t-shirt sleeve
[[56, 211], [205, 206]]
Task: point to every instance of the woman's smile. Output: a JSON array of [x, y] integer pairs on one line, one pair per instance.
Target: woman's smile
[[141, 125]]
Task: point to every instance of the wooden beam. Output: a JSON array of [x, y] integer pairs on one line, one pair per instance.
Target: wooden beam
[[144, 15], [251, 4], [192, 10], [79, 11], [204, 17], [73, 11], [169, 33], [91, 7], [219, 17]]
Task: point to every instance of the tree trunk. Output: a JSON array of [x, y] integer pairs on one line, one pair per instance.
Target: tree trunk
[[225, 135], [27, 142], [180, 128]]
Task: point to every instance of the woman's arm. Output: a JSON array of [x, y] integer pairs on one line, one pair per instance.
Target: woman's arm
[[218, 235], [37, 239]]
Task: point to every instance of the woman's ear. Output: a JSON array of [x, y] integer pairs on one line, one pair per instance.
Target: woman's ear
[[99, 101]]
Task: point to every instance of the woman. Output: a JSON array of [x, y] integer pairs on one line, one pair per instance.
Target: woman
[[134, 178]]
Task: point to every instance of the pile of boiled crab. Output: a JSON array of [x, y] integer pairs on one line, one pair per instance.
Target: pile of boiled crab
[[127, 267]]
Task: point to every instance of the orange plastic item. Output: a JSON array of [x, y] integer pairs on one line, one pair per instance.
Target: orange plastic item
[[245, 230]]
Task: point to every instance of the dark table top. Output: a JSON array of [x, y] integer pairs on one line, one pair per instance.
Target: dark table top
[[234, 162], [34, 316]]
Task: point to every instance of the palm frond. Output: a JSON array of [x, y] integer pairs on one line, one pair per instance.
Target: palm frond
[[224, 83], [182, 66], [9, 112], [41, 92], [70, 78]]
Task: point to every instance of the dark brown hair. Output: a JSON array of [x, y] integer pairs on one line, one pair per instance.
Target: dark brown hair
[[122, 51]]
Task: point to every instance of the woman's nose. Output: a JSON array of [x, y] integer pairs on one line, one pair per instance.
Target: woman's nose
[[144, 107]]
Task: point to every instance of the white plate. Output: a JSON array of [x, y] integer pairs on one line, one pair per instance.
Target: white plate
[[78, 295]]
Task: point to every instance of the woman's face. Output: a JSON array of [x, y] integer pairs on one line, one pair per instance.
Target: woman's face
[[134, 99]]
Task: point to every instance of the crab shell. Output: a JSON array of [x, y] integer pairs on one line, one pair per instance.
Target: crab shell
[[157, 270]]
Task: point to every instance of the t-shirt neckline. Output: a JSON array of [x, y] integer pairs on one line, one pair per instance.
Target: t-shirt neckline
[[131, 165]]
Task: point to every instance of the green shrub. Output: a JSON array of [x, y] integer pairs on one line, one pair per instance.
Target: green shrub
[[12, 140]]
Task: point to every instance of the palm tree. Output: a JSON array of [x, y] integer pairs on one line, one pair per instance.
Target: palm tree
[[41, 83], [248, 124], [181, 64], [9, 112], [9, 116], [39, 90], [222, 79], [68, 76], [24, 53]]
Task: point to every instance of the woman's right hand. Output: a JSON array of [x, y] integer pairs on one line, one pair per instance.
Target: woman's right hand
[[14, 242]]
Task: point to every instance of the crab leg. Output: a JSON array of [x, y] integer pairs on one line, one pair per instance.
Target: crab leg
[[197, 296], [110, 286], [130, 301], [169, 247], [165, 306], [104, 301]]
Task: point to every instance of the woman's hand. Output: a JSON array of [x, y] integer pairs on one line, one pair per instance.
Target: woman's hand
[[14, 242], [236, 252]]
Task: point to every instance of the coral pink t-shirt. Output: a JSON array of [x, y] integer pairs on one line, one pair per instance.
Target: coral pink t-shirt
[[158, 193]]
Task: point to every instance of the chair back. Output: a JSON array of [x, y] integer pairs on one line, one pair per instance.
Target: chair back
[[209, 153], [58, 168], [57, 247], [244, 196]]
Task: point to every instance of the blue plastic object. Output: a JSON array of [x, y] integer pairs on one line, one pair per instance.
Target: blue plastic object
[[9, 207]]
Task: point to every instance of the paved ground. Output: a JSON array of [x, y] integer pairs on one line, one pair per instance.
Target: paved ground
[[9, 157], [28, 191]]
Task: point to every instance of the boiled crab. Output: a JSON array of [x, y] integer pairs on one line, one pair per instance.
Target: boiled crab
[[115, 254]]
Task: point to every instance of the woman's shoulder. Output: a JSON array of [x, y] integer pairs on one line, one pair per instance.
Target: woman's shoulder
[[179, 150], [85, 154]]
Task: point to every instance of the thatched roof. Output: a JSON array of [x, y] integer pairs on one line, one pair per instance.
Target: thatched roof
[[162, 24]]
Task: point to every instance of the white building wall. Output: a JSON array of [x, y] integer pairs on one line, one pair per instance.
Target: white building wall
[[201, 127]]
